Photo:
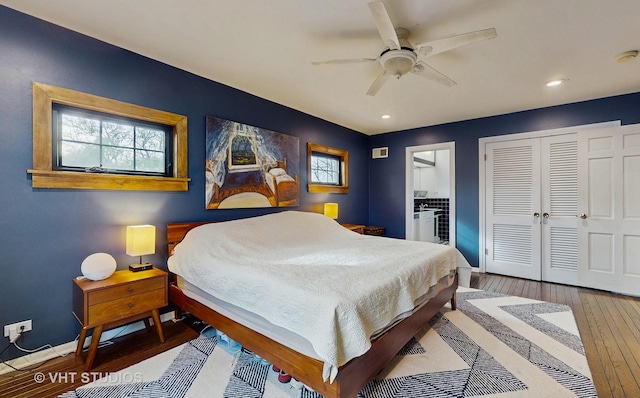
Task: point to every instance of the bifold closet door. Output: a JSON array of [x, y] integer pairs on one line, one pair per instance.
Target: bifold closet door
[[559, 207], [532, 195], [513, 233]]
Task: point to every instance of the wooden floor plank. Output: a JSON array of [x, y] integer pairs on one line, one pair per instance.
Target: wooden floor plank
[[616, 343], [602, 341], [588, 341], [533, 290], [630, 330], [605, 360], [561, 295], [519, 289], [630, 311], [545, 292], [493, 284], [553, 294], [506, 287], [500, 285]]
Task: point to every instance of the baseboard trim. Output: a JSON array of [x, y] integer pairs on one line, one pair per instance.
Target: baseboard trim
[[70, 347]]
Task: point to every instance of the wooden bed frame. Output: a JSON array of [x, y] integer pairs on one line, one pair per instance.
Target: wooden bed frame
[[352, 376]]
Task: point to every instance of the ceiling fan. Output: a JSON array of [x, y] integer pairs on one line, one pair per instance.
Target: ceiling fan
[[401, 57]]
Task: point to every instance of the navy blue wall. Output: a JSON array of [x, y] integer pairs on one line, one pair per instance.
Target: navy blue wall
[[45, 234], [387, 176]]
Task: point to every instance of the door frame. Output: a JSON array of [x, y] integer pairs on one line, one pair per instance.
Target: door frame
[[482, 175], [410, 150]]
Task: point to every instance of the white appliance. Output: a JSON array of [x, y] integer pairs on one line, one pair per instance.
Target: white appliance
[[425, 226]]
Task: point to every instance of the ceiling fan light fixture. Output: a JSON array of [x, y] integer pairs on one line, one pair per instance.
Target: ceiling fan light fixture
[[398, 62], [627, 56]]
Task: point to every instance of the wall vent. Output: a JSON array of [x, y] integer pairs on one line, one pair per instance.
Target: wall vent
[[380, 152]]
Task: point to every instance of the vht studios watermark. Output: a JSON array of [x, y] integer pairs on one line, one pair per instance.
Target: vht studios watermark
[[87, 377]]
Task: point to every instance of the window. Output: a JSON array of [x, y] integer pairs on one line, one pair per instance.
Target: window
[[325, 169], [328, 169], [83, 141], [92, 141]]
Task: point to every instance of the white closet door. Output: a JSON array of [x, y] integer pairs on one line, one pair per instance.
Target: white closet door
[[513, 208], [559, 180], [609, 206]]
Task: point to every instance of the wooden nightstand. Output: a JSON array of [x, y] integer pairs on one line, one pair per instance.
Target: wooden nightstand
[[122, 298], [373, 230], [355, 228]]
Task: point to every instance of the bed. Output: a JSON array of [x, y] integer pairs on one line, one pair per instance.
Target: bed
[[309, 264]]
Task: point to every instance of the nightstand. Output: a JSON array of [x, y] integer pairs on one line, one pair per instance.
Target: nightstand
[[122, 298], [373, 230], [355, 228]]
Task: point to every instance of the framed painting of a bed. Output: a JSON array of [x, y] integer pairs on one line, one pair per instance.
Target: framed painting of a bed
[[248, 166]]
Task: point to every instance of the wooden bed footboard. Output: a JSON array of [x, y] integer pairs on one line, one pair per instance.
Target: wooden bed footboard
[[353, 376]]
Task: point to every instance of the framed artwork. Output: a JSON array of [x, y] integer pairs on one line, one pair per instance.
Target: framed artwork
[[247, 166]]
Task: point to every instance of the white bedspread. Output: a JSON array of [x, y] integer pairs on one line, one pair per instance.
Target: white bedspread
[[306, 273]]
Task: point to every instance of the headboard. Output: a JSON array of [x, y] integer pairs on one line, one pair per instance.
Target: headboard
[[177, 231]]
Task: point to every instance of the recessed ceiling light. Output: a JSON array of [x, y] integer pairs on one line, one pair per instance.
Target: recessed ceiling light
[[554, 83], [386, 116]]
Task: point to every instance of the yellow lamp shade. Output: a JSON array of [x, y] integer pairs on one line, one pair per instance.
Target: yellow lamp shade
[[331, 210], [141, 240]]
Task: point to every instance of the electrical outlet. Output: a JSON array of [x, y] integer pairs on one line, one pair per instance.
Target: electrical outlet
[[11, 330]]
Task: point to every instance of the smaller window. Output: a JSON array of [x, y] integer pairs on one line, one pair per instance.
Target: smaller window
[[328, 169], [325, 169]]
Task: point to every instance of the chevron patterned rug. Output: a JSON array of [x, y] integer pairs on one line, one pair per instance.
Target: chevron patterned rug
[[493, 346]]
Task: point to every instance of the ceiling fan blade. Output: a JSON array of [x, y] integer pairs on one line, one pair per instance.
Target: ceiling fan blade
[[384, 25], [344, 61], [424, 70], [379, 82], [449, 43]]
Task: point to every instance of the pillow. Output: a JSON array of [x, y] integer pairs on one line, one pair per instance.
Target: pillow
[[277, 172]]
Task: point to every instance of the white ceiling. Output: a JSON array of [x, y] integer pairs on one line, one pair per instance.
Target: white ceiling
[[265, 47]]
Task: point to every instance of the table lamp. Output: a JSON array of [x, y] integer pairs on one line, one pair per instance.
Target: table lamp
[[331, 210], [141, 240]]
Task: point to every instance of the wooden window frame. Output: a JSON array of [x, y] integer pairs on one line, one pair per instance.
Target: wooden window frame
[[43, 175], [344, 164]]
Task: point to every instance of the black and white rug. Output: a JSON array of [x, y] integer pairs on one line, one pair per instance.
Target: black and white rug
[[493, 346]]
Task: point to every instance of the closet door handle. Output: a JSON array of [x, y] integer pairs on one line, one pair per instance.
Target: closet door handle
[[536, 214], [545, 215], [582, 215]]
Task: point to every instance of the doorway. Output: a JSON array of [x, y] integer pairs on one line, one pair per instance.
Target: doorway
[[430, 187]]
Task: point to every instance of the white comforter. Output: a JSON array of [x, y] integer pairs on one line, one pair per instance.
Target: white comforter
[[306, 273]]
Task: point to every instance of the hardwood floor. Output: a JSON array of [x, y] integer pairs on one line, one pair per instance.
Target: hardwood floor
[[609, 325]]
